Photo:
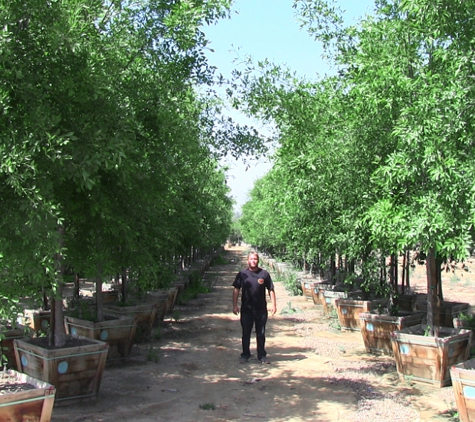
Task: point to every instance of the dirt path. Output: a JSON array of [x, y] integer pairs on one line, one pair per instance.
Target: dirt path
[[317, 373]]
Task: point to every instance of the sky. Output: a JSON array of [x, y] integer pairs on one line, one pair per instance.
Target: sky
[[267, 29]]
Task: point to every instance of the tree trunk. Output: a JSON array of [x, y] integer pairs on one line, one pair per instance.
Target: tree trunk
[[439, 279], [433, 305], [57, 330], [99, 298], [45, 301], [76, 286], [124, 285], [333, 270], [405, 273], [57, 318]]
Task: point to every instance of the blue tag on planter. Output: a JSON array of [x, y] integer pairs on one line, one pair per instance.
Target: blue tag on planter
[[469, 392], [63, 367], [24, 360]]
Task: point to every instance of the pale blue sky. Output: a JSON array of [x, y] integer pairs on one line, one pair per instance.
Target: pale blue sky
[[268, 29]]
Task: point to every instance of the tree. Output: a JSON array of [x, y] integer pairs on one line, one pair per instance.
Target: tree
[[108, 149]]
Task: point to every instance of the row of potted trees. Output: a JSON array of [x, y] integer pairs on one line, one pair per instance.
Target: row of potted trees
[[396, 324], [74, 372]]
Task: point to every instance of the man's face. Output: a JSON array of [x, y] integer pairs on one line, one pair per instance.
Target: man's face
[[253, 261]]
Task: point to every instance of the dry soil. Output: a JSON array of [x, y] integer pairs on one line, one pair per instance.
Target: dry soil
[[190, 371]]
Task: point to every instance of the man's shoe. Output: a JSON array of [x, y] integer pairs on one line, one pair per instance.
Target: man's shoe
[[264, 360], [243, 359]]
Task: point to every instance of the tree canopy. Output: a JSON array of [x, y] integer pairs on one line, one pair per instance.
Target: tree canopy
[[111, 136], [379, 156]]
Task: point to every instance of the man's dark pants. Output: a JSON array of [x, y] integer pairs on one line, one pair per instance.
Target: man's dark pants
[[248, 319]]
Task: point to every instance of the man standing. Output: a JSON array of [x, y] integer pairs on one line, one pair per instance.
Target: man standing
[[253, 281]]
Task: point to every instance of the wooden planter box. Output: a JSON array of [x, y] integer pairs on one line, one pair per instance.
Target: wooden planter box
[[160, 298], [145, 315], [308, 287], [409, 302], [376, 329], [448, 311], [283, 267], [406, 302], [172, 295], [271, 263], [180, 286], [349, 311], [75, 370], [6, 344], [463, 382], [118, 333], [330, 297], [109, 296], [428, 359], [30, 399], [319, 290], [39, 321]]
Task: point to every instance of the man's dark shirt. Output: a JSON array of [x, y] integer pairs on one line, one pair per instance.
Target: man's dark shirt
[[253, 285]]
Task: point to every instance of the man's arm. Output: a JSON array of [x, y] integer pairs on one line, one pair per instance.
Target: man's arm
[[235, 301], [273, 307]]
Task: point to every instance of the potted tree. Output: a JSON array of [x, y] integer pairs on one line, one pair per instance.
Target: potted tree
[[377, 326], [463, 382], [25, 398], [427, 352], [58, 358], [94, 322], [367, 292]]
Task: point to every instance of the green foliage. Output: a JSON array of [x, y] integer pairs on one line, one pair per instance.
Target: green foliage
[[334, 322], [153, 353], [218, 260], [176, 315], [157, 333], [291, 284], [207, 406], [109, 146], [83, 310], [379, 158], [289, 310], [196, 286]]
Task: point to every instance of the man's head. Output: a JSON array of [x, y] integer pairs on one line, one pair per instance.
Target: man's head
[[253, 261]]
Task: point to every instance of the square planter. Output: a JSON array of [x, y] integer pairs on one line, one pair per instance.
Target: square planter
[[307, 287], [426, 358], [349, 311], [463, 382], [331, 296], [109, 296], [319, 289], [448, 311], [144, 313], [24, 398], [6, 343], [38, 320], [376, 329], [172, 295], [180, 286], [75, 370], [160, 297], [118, 333], [408, 302]]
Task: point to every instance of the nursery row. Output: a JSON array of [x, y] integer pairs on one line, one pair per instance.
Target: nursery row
[[47, 375], [401, 331]]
